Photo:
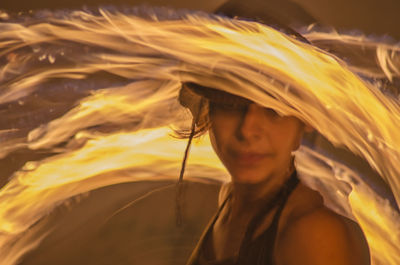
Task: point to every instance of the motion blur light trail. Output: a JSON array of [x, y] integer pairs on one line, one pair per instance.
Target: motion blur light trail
[[124, 71]]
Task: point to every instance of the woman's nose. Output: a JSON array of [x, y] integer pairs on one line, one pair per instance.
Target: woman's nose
[[252, 123]]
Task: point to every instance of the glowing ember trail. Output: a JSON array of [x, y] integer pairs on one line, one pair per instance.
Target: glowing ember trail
[[104, 86]]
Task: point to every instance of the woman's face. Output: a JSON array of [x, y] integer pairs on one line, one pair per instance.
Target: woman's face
[[254, 143]]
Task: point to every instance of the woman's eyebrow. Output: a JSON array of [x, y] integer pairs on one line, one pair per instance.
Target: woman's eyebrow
[[223, 97]]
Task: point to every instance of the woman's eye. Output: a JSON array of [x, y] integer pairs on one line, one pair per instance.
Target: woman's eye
[[231, 107]]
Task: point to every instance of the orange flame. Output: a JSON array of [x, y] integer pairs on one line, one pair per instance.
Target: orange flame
[[120, 134]]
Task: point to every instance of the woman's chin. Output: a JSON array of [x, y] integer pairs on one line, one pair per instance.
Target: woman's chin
[[250, 177]]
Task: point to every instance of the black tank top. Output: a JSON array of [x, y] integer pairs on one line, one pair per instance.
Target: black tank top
[[258, 251]]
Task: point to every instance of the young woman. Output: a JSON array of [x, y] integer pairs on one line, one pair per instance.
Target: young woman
[[266, 216]]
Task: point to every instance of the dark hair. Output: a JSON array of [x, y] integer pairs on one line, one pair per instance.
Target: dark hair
[[202, 101], [191, 98]]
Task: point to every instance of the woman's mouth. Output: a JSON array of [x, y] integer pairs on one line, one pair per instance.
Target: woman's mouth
[[250, 158]]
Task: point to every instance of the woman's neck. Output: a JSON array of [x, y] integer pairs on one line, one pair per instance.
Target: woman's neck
[[247, 199]]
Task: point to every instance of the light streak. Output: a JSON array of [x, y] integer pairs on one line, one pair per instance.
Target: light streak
[[121, 133]]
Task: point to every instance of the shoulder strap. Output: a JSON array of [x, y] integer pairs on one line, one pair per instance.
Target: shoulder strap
[[194, 257]]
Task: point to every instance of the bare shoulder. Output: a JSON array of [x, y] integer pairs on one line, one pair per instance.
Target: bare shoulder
[[313, 234]]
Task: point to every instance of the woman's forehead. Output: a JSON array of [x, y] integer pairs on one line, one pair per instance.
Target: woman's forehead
[[218, 96], [222, 97]]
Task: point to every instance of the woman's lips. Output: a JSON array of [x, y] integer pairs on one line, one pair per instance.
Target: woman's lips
[[250, 158]]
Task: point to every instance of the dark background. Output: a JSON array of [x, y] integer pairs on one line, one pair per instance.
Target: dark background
[[376, 17]]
